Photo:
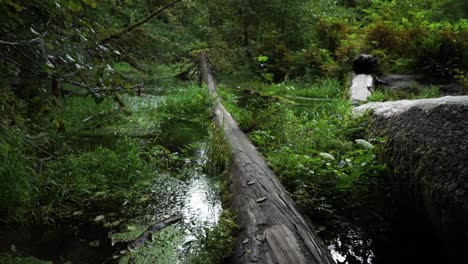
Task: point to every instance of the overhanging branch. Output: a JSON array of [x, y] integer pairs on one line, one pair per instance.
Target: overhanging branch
[[137, 24]]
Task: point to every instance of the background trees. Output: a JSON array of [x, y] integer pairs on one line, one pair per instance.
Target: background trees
[[46, 44]]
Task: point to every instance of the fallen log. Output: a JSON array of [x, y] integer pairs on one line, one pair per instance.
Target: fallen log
[[427, 153], [145, 236], [272, 229]]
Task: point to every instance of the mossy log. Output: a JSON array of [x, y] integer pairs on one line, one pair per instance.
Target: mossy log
[[428, 154], [272, 229]]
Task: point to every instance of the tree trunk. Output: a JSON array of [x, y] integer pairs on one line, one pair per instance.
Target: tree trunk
[[272, 229]]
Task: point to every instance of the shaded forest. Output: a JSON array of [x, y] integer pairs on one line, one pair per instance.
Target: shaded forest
[[109, 152]]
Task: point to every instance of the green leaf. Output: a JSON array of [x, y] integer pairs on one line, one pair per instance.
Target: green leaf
[[74, 5], [262, 58]]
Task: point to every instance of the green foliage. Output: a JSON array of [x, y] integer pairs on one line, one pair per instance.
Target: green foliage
[[313, 149], [162, 248], [323, 88], [218, 152], [191, 102], [20, 184], [399, 94], [100, 178], [323, 167], [114, 171], [79, 112], [15, 258], [311, 62], [218, 243], [244, 117]]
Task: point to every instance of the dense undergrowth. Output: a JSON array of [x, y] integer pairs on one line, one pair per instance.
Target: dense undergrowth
[[91, 158], [322, 154], [316, 147], [105, 168]]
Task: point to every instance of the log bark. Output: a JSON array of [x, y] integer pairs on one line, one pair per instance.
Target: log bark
[[272, 229]]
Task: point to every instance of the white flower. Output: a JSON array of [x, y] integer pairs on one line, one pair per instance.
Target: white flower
[[327, 156], [365, 144]]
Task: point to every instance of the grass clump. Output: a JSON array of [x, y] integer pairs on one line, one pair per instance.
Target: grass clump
[[324, 88], [218, 243], [161, 249], [84, 112], [102, 174], [15, 258], [218, 152], [189, 103], [381, 95], [17, 174]]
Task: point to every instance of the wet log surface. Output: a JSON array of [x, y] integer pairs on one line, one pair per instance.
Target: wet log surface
[[272, 229], [428, 155]]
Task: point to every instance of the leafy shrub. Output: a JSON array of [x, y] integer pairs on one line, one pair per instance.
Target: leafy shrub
[[330, 33], [312, 61]]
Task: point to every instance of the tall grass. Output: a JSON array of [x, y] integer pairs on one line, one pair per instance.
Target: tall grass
[[98, 177], [114, 174], [79, 112], [189, 102], [218, 152], [399, 94], [322, 88], [19, 191]]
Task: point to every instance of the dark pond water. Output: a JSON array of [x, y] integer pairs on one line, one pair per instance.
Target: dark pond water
[[404, 238]]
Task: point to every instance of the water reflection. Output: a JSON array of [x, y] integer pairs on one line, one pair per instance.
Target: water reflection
[[350, 247], [196, 199]]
